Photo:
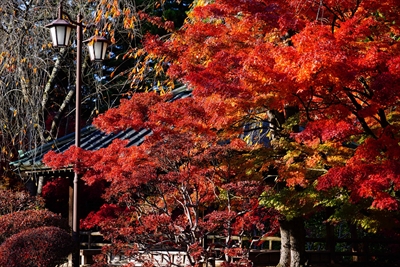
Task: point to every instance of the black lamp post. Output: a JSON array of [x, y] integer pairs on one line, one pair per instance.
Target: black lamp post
[[60, 32]]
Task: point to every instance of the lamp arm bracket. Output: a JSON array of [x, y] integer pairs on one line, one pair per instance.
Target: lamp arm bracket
[[74, 22]]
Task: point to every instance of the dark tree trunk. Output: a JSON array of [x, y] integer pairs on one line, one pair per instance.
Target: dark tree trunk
[[330, 236], [292, 243], [354, 245]]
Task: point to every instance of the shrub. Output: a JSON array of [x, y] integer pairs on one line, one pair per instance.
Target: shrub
[[38, 247], [16, 222], [12, 201]]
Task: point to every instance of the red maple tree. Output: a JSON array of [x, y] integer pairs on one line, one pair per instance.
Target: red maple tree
[[177, 187], [328, 67], [336, 62]]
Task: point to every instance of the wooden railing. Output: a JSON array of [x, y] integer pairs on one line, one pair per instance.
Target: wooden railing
[[91, 240], [240, 240], [265, 254], [91, 244]]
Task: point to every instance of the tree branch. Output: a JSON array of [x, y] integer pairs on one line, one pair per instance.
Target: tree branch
[[362, 121], [52, 77]]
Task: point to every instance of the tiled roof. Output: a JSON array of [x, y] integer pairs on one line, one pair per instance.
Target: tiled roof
[[91, 139]]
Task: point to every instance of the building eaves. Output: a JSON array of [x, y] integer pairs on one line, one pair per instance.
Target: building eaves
[[91, 139]]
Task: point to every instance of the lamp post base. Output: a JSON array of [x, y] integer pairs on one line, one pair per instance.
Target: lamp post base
[[75, 253]]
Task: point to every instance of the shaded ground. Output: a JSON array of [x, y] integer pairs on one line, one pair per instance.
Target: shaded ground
[[357, 264]]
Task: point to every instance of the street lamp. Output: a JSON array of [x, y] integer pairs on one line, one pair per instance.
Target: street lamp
[[60, 30], [97, 46]]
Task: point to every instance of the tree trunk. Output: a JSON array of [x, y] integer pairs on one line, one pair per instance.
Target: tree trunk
[[330, 236], [284, 259], [292, 243], [354, 245], [297, 243], [56, 121], [40, 185]]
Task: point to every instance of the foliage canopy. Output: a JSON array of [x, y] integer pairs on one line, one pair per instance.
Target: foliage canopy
[[322, 75]]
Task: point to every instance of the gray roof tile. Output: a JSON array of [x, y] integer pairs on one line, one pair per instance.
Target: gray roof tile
[[91, 139]]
